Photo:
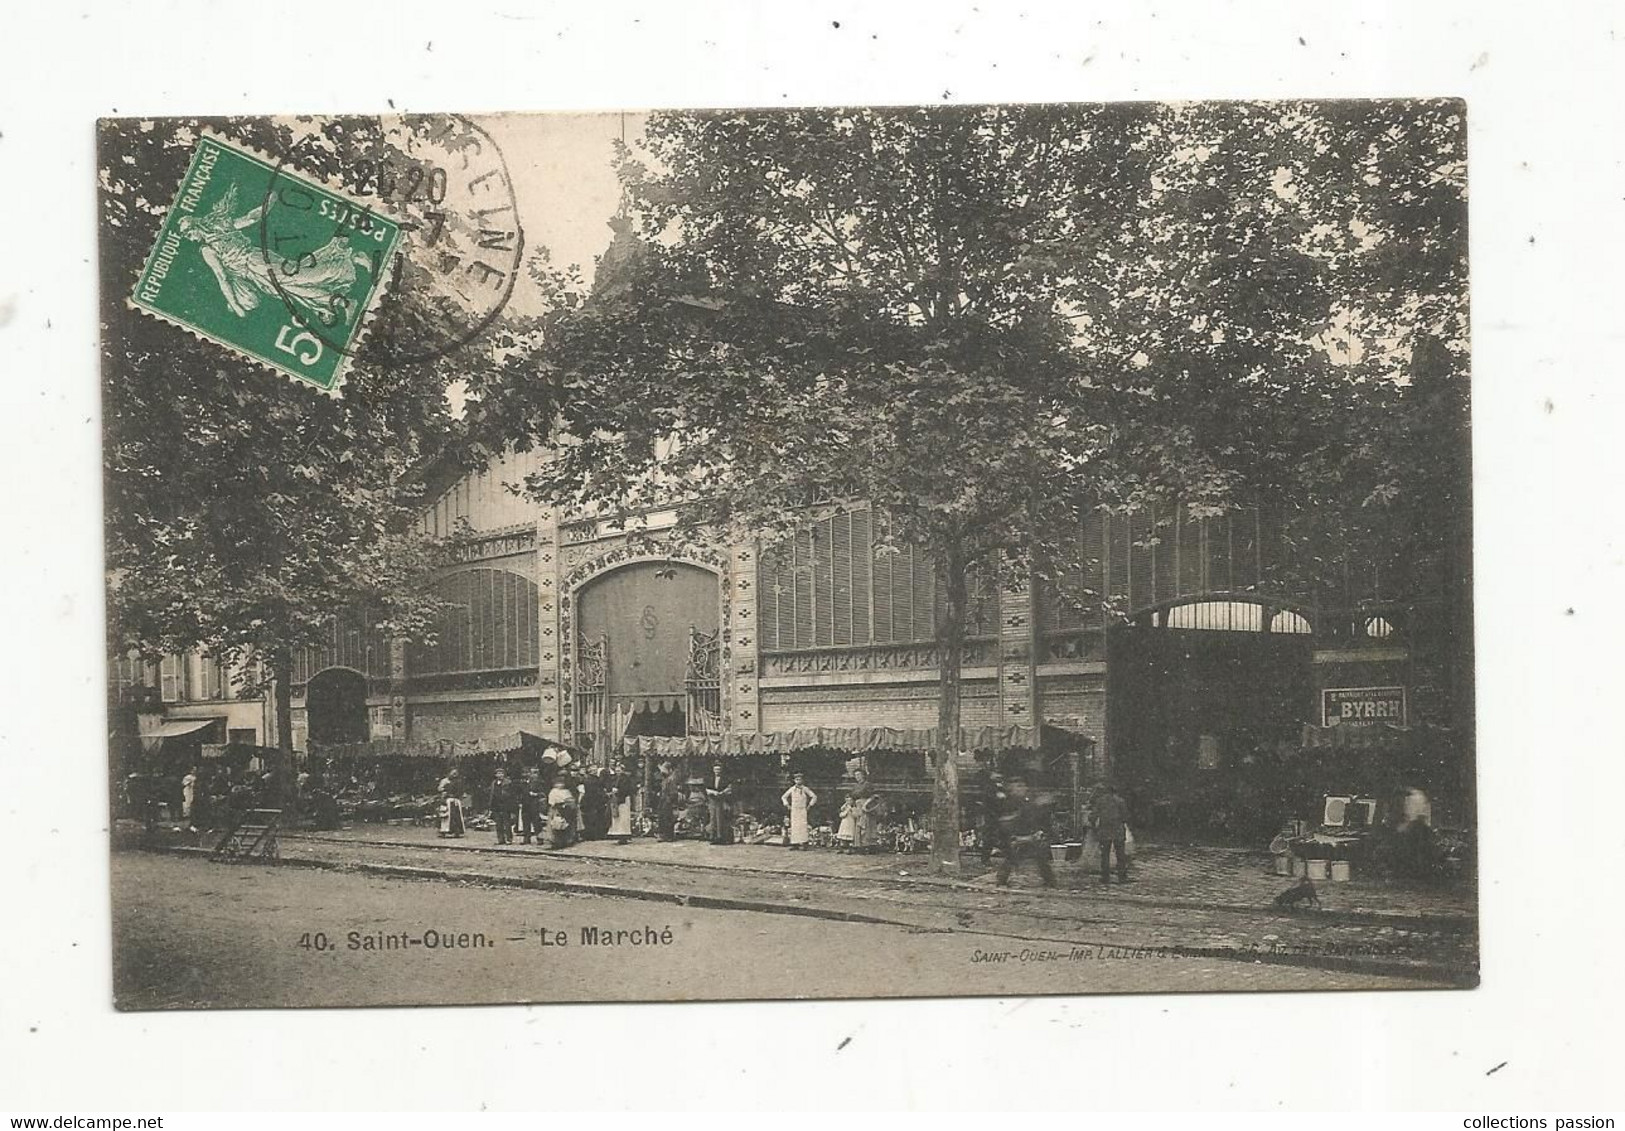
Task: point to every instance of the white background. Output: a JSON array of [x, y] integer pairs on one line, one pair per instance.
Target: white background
[[1548, 200]]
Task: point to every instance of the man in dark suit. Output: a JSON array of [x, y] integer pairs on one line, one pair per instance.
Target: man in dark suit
[[504, 803], [719, 793], [671, 792], [1111, 832], [532, 805], [994, 802], [1024, 826]]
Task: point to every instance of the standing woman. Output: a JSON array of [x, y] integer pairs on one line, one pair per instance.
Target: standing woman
[[563, 813], [863, 806], [799, 800], [595, 805], [620, 800], [451, 805], [189, 793]]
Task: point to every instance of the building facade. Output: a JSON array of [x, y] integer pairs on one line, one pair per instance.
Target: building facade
[[1170, 652], [186, 701]]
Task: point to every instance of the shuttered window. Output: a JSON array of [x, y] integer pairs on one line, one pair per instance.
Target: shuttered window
[[172, 678]]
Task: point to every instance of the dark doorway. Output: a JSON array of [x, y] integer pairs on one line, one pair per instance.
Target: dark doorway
[[336, 707], [1197, 721]]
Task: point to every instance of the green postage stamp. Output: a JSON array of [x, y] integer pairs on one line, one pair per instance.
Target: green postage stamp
[[269, 263]]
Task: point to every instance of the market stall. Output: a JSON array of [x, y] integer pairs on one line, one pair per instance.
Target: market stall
[[394, 780], [1377, 800], [896, 763]]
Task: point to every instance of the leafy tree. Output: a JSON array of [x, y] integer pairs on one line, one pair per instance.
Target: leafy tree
[[247, 515], [984, 321]]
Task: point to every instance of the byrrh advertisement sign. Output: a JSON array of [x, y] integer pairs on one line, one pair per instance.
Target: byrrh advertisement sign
[[1362, 706]]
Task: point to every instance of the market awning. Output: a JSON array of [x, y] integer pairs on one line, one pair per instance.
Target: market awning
[[439, 748], [852, 739], [152, 740]]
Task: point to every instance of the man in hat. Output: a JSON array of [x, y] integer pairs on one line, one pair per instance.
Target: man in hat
[[504, 802], [1023, 824], [671, 792], [719, 795], [532, 805], [995, 800], [1111, 832]]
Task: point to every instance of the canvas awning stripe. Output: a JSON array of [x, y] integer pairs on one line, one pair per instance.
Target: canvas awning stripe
[[152, 739], [438, 748], [854, 740]]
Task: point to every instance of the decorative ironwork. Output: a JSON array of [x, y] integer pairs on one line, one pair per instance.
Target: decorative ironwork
[[591, 686], [496, 544], [703, 655], [592, 663], [474, 681], [702, 683], [978, 652]]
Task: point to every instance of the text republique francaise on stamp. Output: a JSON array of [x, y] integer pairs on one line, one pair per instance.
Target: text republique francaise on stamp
[[295, 302]]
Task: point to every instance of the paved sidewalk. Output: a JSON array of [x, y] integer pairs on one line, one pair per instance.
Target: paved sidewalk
[[1198, 878]]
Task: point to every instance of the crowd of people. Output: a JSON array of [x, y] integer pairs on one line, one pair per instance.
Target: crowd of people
[[1018, 826], [553, 805], [209, 795], [559, 803], [859, 814]]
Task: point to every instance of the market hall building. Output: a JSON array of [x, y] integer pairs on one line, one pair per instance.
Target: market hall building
[[1187, 678]]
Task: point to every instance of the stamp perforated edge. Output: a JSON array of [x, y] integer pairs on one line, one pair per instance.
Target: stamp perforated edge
[[278, 168]]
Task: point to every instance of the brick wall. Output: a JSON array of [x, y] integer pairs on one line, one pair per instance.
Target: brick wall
[[1076, 702]]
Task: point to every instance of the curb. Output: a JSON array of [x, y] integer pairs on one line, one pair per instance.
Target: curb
[[1442, 922], [1453, 977]]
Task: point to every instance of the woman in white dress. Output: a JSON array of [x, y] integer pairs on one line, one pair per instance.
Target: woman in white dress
[[799, 800], [620, 786], [451, 805]]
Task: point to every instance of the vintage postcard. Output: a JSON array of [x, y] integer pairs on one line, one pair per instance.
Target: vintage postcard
[[843, 552]]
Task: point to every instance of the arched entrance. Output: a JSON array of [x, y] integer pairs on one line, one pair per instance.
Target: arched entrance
[[1202, 696], [646, 647], [336, 706]]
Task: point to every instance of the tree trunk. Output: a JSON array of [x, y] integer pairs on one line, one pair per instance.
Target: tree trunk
[[282, 686], [945, 766]]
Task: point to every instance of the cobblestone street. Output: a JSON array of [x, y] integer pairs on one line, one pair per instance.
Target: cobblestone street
[[194, 934], [1238, 925]]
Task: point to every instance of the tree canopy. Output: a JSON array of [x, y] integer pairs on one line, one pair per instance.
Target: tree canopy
[[246, 514], [982, 321], [944, 311]]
